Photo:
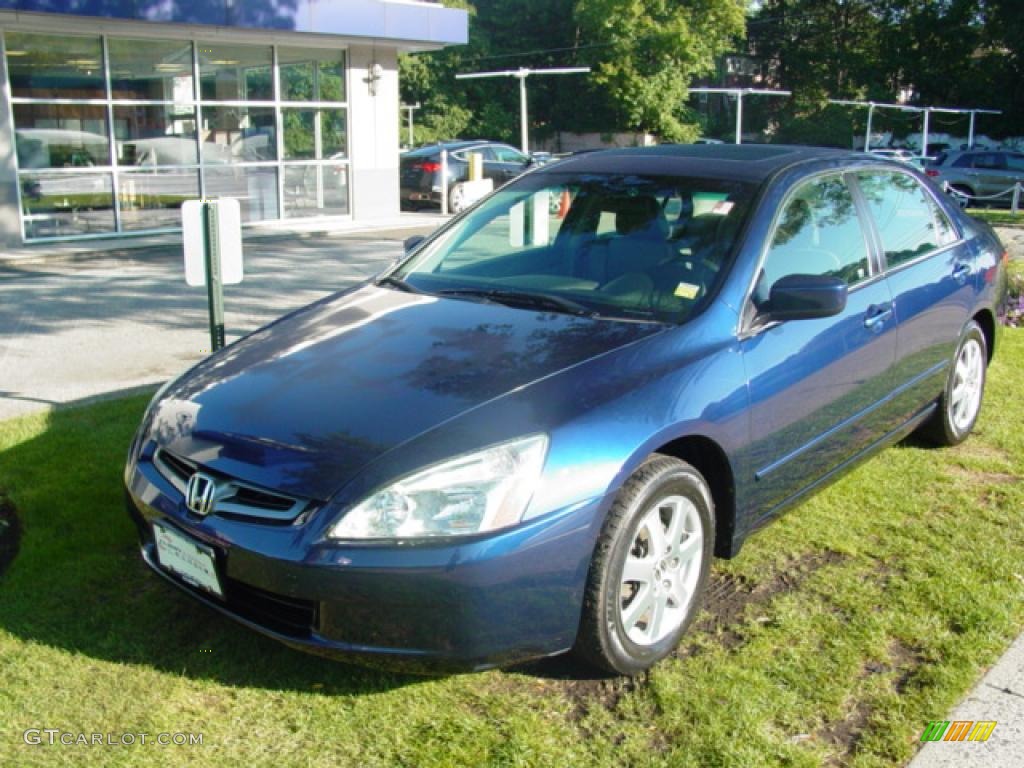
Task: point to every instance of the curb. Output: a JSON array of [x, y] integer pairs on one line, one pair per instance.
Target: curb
[[67, 253]]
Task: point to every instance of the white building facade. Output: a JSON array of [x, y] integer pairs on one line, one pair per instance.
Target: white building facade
[[114, 114]]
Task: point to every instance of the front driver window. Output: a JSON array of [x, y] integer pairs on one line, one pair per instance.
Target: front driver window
[[818, 233]]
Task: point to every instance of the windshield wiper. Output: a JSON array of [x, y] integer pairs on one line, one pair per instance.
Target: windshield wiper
[[524, 299], [396, 282]]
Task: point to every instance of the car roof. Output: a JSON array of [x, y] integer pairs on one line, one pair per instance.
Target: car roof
[[737, 162], [451, 145]]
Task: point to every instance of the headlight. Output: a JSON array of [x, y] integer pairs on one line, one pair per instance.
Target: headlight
[[478, 492]]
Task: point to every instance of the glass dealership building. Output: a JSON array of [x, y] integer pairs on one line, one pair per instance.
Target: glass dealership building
[[291, 106]]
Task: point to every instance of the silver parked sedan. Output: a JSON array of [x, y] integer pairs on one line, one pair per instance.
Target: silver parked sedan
[[979, 174]]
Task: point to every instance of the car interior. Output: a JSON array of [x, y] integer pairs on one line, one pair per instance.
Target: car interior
[[650, 252]]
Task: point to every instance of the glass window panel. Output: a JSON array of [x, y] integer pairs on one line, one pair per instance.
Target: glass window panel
[[313, 190], [509, 155], [299, 133], [311, 74], [300, 190], [238, 134], [254, 188], [59, 205], [43, 66], [235, 72], [155, 135], [335, 178], [151, 70], [819, 233], [152, 199], [61, 135], [333, 134], [908, 221]]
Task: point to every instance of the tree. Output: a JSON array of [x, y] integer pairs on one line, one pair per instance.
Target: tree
[[651, 51], [644, 54], [964, 53]]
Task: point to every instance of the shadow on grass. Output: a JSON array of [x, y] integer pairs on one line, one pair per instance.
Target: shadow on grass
[[78, 584]]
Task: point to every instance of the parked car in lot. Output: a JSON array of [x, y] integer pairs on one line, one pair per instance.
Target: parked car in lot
[[420, 171], [903, 155], [979, 174], [534, 432]]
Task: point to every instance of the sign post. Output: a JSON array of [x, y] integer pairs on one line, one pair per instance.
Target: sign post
[[214, 286], [212, 237]]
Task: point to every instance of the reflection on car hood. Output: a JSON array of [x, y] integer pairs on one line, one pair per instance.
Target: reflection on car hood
[[302, 405]]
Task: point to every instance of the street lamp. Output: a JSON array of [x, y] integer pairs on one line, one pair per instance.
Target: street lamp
[[522, 73], [739, 93], [872, 105]]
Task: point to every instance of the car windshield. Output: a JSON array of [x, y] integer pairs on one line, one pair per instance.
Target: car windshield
[[621, 246]]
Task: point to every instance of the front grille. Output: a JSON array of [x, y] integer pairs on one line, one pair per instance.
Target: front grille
[[262, 499], [233, 498]]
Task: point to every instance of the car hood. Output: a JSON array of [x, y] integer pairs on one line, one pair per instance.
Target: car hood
[[301, 405]]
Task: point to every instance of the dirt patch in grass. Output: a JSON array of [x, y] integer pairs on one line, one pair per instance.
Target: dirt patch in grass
[[10, 533], [980, 477], [727, 597], [725, 607], [845, 735]]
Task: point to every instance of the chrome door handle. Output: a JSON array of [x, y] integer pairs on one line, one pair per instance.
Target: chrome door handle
[[877, 315], [961, 272]]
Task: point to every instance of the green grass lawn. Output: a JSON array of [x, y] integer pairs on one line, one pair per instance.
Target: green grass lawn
[[838, 633], [999, 217]]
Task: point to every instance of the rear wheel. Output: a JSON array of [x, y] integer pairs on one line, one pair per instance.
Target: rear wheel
[[457, 200], [649, 569], [960, 402]]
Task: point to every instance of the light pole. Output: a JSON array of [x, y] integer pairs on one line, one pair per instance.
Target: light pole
[[522, 73], [411, 108], [871, 105], [739, 93]]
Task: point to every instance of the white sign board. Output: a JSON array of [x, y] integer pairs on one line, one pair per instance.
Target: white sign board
[[476, 190], [225, 239]]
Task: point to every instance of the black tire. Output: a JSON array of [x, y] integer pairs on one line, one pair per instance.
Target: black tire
[[943, 427], [603, 640]]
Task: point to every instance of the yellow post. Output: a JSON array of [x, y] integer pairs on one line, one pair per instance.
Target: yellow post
[[476, 166]]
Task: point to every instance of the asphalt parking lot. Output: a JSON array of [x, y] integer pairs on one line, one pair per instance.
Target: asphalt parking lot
[[76, 328]]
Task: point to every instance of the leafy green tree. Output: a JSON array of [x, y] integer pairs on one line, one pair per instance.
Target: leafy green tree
[[653, 49], [643, 53]]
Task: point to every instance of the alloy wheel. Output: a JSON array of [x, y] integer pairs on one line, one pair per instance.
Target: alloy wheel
[[661, 570], [965, 397]]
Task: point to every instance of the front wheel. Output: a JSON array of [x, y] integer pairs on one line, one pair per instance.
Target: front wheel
[[649, 569], [960, 402]]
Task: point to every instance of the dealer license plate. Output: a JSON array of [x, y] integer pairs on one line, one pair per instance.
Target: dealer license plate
[[192, 561]]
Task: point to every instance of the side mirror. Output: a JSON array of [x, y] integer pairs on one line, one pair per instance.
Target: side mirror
[[411, 242], [804, 297]]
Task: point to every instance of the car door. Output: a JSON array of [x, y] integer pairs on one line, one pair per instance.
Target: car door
[[815, 385], [930, 272], [990, 173], [509, 162], [1015, 170]]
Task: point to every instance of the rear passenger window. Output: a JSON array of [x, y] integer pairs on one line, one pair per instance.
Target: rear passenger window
[[818, 234], [908, 220], [1015, 162]]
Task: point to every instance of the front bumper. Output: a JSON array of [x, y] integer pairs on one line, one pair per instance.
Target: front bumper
[[508, 597]]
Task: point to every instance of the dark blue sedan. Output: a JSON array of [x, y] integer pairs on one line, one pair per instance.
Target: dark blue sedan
[[535, 432]]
